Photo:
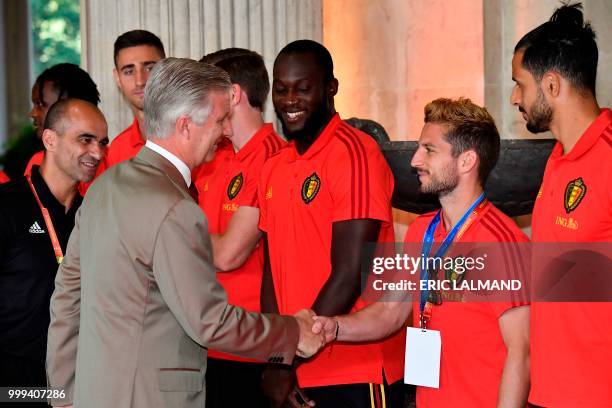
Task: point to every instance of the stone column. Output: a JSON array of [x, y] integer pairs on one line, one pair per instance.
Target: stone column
[[15, 72], [189, 28]]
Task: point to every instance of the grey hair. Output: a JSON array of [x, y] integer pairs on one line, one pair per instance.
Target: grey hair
[[177, 87]]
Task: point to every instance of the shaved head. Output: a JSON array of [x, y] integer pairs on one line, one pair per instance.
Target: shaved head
[[60, 112], [75, 138]]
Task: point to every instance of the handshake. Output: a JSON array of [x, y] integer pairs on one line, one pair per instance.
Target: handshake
[[315, 332]]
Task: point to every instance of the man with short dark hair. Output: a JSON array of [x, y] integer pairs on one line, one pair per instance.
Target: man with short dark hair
[[321, 199], [135, 53], [36, 217], [555, 67], [227, 189], [458, 148], [61, 81]]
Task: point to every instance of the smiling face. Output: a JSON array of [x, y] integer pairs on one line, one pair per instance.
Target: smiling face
[[527, 95], [434, 161], [302, 98], [79, 142], [208, 135], [132, 68]]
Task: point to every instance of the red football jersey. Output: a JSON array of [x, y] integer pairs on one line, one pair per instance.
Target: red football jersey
[[225, 184], [472, 344], [342, 176], [571, 343]]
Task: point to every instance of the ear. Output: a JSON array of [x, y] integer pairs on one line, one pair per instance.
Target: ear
[[181, 127], [551, 84], [332, 87], [467, 161], [116, 76], [236, 95], [49, 139]]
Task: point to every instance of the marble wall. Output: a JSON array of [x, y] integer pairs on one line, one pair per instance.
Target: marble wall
[[506, 21], [394, 56]]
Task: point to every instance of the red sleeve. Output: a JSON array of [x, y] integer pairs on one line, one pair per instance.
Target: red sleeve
[[361, 181]]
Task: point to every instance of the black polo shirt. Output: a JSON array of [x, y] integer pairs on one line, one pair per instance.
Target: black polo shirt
[[28, 265]]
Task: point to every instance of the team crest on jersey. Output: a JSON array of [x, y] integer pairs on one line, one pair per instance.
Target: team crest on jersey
[[234, 186], [310, 188], [574, 193]]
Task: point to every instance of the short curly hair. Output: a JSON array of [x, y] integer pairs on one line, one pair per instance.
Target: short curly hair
[[69, 81], [470, 127]]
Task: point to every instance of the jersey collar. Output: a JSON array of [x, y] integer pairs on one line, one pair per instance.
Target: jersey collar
[[441, 231], [136, 139], [588, 138], [321, 141], [254, 143]]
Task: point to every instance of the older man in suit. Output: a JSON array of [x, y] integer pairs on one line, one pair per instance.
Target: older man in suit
[[136, 297]]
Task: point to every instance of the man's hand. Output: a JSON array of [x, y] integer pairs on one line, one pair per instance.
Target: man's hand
[[328, 326], [309, 343]]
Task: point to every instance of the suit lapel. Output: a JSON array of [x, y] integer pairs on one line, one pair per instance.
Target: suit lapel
[[158, 161]]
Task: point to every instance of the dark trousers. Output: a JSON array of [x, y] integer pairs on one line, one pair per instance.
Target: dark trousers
[[18, 371], [359, 395], [233, 384]]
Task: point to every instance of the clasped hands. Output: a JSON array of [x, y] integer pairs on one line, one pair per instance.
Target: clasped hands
[[315, 332]]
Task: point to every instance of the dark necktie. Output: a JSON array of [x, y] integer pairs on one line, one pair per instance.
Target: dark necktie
[[193, 192]]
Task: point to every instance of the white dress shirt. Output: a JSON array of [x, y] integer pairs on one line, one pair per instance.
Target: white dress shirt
[[178, 163]]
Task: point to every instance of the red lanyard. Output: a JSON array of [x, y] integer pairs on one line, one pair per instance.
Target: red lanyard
[[59, 255]]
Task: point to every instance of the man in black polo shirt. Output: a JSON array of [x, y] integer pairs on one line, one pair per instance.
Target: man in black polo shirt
[[36, 218]]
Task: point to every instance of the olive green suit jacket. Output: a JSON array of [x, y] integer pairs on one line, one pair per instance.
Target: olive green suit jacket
[[136, 299]]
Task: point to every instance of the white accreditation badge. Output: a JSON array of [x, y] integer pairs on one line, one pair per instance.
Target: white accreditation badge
[[422, 361]]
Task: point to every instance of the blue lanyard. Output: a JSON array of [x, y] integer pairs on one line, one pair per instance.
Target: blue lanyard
[[428, 241]]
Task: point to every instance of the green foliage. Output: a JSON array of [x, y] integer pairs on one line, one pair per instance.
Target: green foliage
[[56, 32]]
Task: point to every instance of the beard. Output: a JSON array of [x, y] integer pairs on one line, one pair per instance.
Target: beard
[[313, 125], [538, 120], [442, 185]]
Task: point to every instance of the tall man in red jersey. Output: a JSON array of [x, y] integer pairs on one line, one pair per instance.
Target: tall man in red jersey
[[458, 148], [227, 189], [321, 198], [135, 53], [554, 67]]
